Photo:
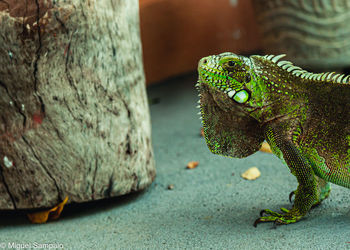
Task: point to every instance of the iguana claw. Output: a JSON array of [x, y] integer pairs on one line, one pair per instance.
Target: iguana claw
[[278, 219]]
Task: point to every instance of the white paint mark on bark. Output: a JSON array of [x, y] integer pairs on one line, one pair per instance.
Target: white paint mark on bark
[[7, 162]]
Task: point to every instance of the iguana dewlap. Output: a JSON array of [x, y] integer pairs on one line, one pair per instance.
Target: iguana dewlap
[[305, 117]]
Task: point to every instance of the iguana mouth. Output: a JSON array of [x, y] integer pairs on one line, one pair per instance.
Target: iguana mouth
[[228, 105], [202, 86]]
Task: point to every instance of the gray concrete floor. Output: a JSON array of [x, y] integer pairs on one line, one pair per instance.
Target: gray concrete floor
[[210, 207]]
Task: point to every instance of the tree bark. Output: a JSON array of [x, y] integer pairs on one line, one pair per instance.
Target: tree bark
[[74, 118]]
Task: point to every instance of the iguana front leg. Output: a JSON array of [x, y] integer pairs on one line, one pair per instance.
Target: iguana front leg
[[307, 193]]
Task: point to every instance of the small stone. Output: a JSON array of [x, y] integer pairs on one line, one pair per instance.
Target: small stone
[[192, 164], [265, 147], [251, 174], [171, 186]]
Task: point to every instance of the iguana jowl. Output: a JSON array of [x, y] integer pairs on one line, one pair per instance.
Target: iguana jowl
[[305, 117]]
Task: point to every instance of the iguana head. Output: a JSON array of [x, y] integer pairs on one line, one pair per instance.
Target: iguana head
[[228, 73], [225, 85]]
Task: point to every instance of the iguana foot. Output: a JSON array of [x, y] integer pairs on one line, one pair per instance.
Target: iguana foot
[[313, 206], [289, 216], [324, 190]]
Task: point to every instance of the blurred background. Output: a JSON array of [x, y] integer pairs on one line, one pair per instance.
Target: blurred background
[[176, 34]]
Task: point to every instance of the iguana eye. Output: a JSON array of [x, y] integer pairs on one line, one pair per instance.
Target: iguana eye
[[241, 96], [231, 63]]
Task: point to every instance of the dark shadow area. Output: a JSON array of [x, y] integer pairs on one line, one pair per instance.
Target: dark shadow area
[[76, 210], [70, 211]]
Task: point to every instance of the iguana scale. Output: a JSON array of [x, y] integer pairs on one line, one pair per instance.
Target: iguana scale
[[305, 117]]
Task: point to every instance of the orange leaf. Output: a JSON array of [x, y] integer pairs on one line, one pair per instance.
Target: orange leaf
[[52, 214]]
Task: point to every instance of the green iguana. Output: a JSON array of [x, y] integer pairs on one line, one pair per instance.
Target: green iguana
[[303, 116]]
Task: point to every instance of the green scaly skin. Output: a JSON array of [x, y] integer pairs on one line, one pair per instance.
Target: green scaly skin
[[303, 116]]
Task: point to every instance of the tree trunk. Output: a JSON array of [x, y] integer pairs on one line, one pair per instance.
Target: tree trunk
[[73, 107]]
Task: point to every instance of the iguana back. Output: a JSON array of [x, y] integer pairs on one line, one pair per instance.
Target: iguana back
[[323, 132]]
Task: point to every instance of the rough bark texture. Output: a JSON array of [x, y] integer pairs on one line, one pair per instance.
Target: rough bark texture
[[73, 108]]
